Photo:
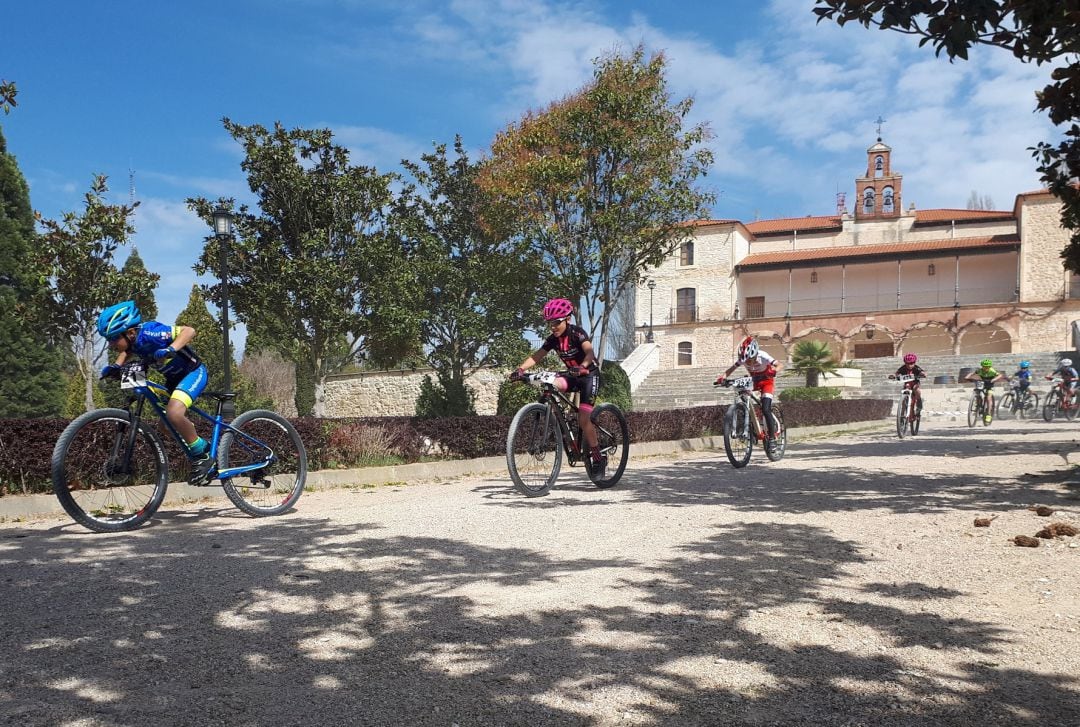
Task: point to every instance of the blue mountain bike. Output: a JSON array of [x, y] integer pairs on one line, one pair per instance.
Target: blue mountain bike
[[110, 470]]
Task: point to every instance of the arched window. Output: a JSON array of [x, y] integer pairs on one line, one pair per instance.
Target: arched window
[[868, 199], [686, 253], [887, 199], [879, 165], [686, 353]]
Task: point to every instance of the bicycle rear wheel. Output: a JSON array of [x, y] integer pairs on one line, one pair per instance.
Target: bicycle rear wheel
[[1029, 405], [775, 450], [263, 436], [902, 416], [533, 450], [738, 435], [1050, 407], [613, 438], [95, 481], [916, 421], [1068, 406]]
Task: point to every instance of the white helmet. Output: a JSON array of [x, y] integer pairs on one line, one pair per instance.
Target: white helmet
[[1065, 362]]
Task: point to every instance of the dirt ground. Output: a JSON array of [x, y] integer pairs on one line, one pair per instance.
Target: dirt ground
[[845, 585]]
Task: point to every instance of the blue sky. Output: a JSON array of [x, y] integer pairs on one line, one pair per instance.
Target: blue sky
[[118, 86]]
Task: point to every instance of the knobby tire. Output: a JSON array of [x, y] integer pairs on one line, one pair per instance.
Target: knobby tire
[[613, 438], [275, 488], [534, 450]]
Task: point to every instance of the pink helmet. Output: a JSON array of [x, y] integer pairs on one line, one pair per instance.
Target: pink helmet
[[910, 358], [557, 308]]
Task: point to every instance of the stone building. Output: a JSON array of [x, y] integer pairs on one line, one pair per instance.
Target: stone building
[[883, 281]]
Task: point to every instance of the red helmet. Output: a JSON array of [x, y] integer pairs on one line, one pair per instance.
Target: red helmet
[[748, 348], [910, 358], [557, 308]]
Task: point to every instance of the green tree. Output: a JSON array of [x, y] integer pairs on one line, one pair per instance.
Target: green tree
[[477, 289], [8, 92], [812, 358], [603, 182], [135, 270], [209, 343], [31, 381], [317, 265], [1043, 31], [76, 257]]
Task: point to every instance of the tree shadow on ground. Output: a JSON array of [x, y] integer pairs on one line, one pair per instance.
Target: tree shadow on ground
[[309, 621]]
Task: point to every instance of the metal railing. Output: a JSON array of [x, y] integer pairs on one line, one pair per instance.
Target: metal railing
[[884, 301]]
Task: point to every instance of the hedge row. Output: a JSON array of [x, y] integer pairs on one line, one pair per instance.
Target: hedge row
[[26, 444]]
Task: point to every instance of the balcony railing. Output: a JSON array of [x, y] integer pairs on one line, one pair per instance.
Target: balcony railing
[[884, 301], [684, 314]]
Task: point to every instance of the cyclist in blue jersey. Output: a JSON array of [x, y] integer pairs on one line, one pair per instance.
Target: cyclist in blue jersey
[[573, 346], [1024, 376], [166, 349]]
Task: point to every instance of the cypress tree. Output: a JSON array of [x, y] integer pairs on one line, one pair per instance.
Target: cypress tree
[[134, 269], [31, 379]]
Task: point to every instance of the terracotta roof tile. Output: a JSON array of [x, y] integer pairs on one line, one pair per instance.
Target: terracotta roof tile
[[849, 252], [944, 216], [791, 224]]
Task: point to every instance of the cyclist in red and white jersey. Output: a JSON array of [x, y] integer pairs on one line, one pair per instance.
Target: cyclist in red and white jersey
[[763, 368]]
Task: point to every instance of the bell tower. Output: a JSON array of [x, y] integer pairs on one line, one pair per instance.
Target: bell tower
[[877, 195]]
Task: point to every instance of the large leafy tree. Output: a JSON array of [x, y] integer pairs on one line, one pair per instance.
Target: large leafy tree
[[315, 267], [603, 182], [31, 382], [76, 256], [1043, 31], [477, 289]]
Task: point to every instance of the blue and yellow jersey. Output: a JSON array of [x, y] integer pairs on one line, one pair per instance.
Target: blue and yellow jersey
[[153, 336]]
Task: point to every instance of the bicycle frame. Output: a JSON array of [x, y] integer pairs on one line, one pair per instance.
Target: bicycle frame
[[564, 411], [753, 402], [140, 390]]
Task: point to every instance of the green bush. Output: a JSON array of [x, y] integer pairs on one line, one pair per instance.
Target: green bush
[[615, 386], [810, 393], [513, 395], [444, 399]]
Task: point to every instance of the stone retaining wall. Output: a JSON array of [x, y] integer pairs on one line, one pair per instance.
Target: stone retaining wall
[[394, 393]]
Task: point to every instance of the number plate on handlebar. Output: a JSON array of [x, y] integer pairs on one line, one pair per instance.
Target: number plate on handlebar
[[979, 385], [133, 377], [544, 377], [904, 378], [745, 382]]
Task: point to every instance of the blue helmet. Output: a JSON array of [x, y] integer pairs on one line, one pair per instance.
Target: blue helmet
[[1025, 364], [116, 319]]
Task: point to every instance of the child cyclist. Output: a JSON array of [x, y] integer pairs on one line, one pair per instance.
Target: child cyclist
[[1023, 377], [1067, 373], [911, 368], [573, 346], [165, 348], [763, 368], [988, 375]]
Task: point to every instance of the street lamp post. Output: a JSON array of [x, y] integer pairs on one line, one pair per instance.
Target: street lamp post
[[223, 230], [652, 286]]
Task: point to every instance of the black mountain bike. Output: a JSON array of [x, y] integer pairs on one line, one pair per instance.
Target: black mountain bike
[[908, 418], [744, 424], [1022, 403], [110, 470], [543, 431]]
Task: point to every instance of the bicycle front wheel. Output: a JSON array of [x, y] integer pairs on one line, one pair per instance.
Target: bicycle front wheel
[[902, 416], [1006, 405], [775, 450], [98, 484], [533, 451], [613, 438], [974, 410], [1051, 406], [738, 437], [260, 436]]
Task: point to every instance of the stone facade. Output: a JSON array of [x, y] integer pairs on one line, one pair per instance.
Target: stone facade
[[394, 393]]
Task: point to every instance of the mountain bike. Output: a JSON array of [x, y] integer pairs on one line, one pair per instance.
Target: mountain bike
[[744, 424], [1023, 403], [979, 407], [542, 432], [1060, 400], [907, 416], [110, 470]]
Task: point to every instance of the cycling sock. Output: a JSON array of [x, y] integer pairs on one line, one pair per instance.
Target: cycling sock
[[198, 447], [595, 451]]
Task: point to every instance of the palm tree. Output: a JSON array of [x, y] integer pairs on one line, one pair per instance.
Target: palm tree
[[812, 358]]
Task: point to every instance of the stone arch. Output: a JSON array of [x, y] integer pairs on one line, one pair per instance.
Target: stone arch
[[982, 339], [870, 341], [928, 340]]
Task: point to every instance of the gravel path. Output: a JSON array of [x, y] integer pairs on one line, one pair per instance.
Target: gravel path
[[845, 585]]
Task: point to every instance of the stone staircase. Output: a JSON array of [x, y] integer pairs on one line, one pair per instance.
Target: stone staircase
[[684, 388]]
